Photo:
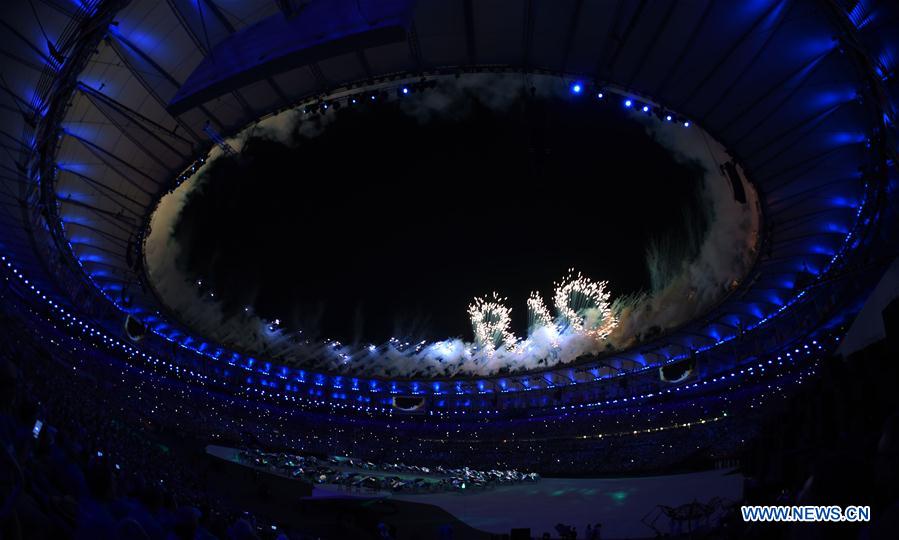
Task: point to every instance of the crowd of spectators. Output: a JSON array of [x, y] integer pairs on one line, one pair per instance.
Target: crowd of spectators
[[636, 438], [76, 464]]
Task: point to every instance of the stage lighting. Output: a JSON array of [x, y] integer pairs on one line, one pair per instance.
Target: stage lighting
[[668, 118], [405, 90], [599, 95], [628, 103], [576, 88], [686, 124], [646, 108]]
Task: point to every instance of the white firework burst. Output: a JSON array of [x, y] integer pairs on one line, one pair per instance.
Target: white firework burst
[[538, 314], [491, 320], [583, 306]]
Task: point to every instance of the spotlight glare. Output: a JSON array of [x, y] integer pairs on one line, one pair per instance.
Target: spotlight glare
[[599, 95], [576, 88], [405, 90], [628, 103], [686, 124], [646, 108], [668, 118]]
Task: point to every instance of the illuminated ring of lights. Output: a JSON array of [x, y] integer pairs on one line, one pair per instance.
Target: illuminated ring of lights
[[785, 358]]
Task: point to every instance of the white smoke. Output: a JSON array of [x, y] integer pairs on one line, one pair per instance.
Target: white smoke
[[725, 255], [723, 258]]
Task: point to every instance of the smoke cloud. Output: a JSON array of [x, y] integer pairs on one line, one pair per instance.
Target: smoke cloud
[[689, 273]]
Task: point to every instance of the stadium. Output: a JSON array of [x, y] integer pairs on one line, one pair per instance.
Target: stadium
[[448, 269]]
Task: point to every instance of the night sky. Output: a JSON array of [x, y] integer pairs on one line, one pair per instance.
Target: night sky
[[384, 227]]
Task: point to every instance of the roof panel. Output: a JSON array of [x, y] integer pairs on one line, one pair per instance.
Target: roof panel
[[551, 23], [343, 67], [499, 27], [441, 33]]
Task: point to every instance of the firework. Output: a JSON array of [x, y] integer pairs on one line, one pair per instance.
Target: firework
[[583, 306], [490, 320], [538, 315]]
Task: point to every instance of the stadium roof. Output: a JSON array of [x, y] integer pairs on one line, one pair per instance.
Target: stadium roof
[[106, 103]]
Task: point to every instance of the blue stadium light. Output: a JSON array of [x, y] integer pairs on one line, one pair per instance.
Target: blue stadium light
[[628, 103], [646, 108], [600, 95], [576, 88]]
